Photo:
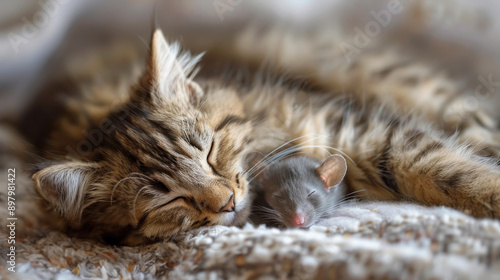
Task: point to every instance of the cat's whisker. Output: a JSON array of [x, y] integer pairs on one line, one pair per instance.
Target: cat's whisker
[[143, 175], [285, 152], [275, 158], [276, 149], [291, 150], [263, 161], [121, 181], [288, 150], [135, 200], [269, 164], [329, 148], [331, 139]]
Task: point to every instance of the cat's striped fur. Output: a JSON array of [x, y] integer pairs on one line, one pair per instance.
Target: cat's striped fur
[[167, 161], [179, 150]]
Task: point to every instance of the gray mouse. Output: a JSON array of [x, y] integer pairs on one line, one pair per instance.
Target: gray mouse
[[297, 192]]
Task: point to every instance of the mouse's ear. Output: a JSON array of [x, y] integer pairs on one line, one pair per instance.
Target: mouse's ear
[[332, 171]]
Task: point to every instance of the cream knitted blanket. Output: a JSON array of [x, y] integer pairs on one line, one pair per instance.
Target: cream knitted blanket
[[364, 241]]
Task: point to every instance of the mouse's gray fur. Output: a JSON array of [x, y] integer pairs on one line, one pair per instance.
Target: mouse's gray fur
[[293, 185]]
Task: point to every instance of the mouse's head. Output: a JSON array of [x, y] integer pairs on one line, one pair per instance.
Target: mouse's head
[[298, 188]]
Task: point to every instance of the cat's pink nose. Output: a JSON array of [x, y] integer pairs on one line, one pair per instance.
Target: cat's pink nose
[[299, 219], [229, 206]]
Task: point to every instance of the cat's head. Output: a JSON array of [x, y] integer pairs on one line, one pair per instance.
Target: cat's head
[[169, 159]]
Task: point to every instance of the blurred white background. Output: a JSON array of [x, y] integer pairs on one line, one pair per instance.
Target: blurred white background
[[35, 36]]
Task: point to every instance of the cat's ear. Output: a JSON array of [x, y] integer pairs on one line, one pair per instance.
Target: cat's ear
[[64, 186], [169, 73], [332, 171]]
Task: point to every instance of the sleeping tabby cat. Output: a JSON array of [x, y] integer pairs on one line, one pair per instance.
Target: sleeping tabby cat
[[175, 152]]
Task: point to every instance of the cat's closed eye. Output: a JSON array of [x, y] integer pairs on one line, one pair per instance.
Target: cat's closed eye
[[159, 186], [310, 193], [189, 202], [176, 199]]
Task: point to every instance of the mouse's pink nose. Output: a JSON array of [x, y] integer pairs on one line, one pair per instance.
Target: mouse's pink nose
[[299, 219]]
